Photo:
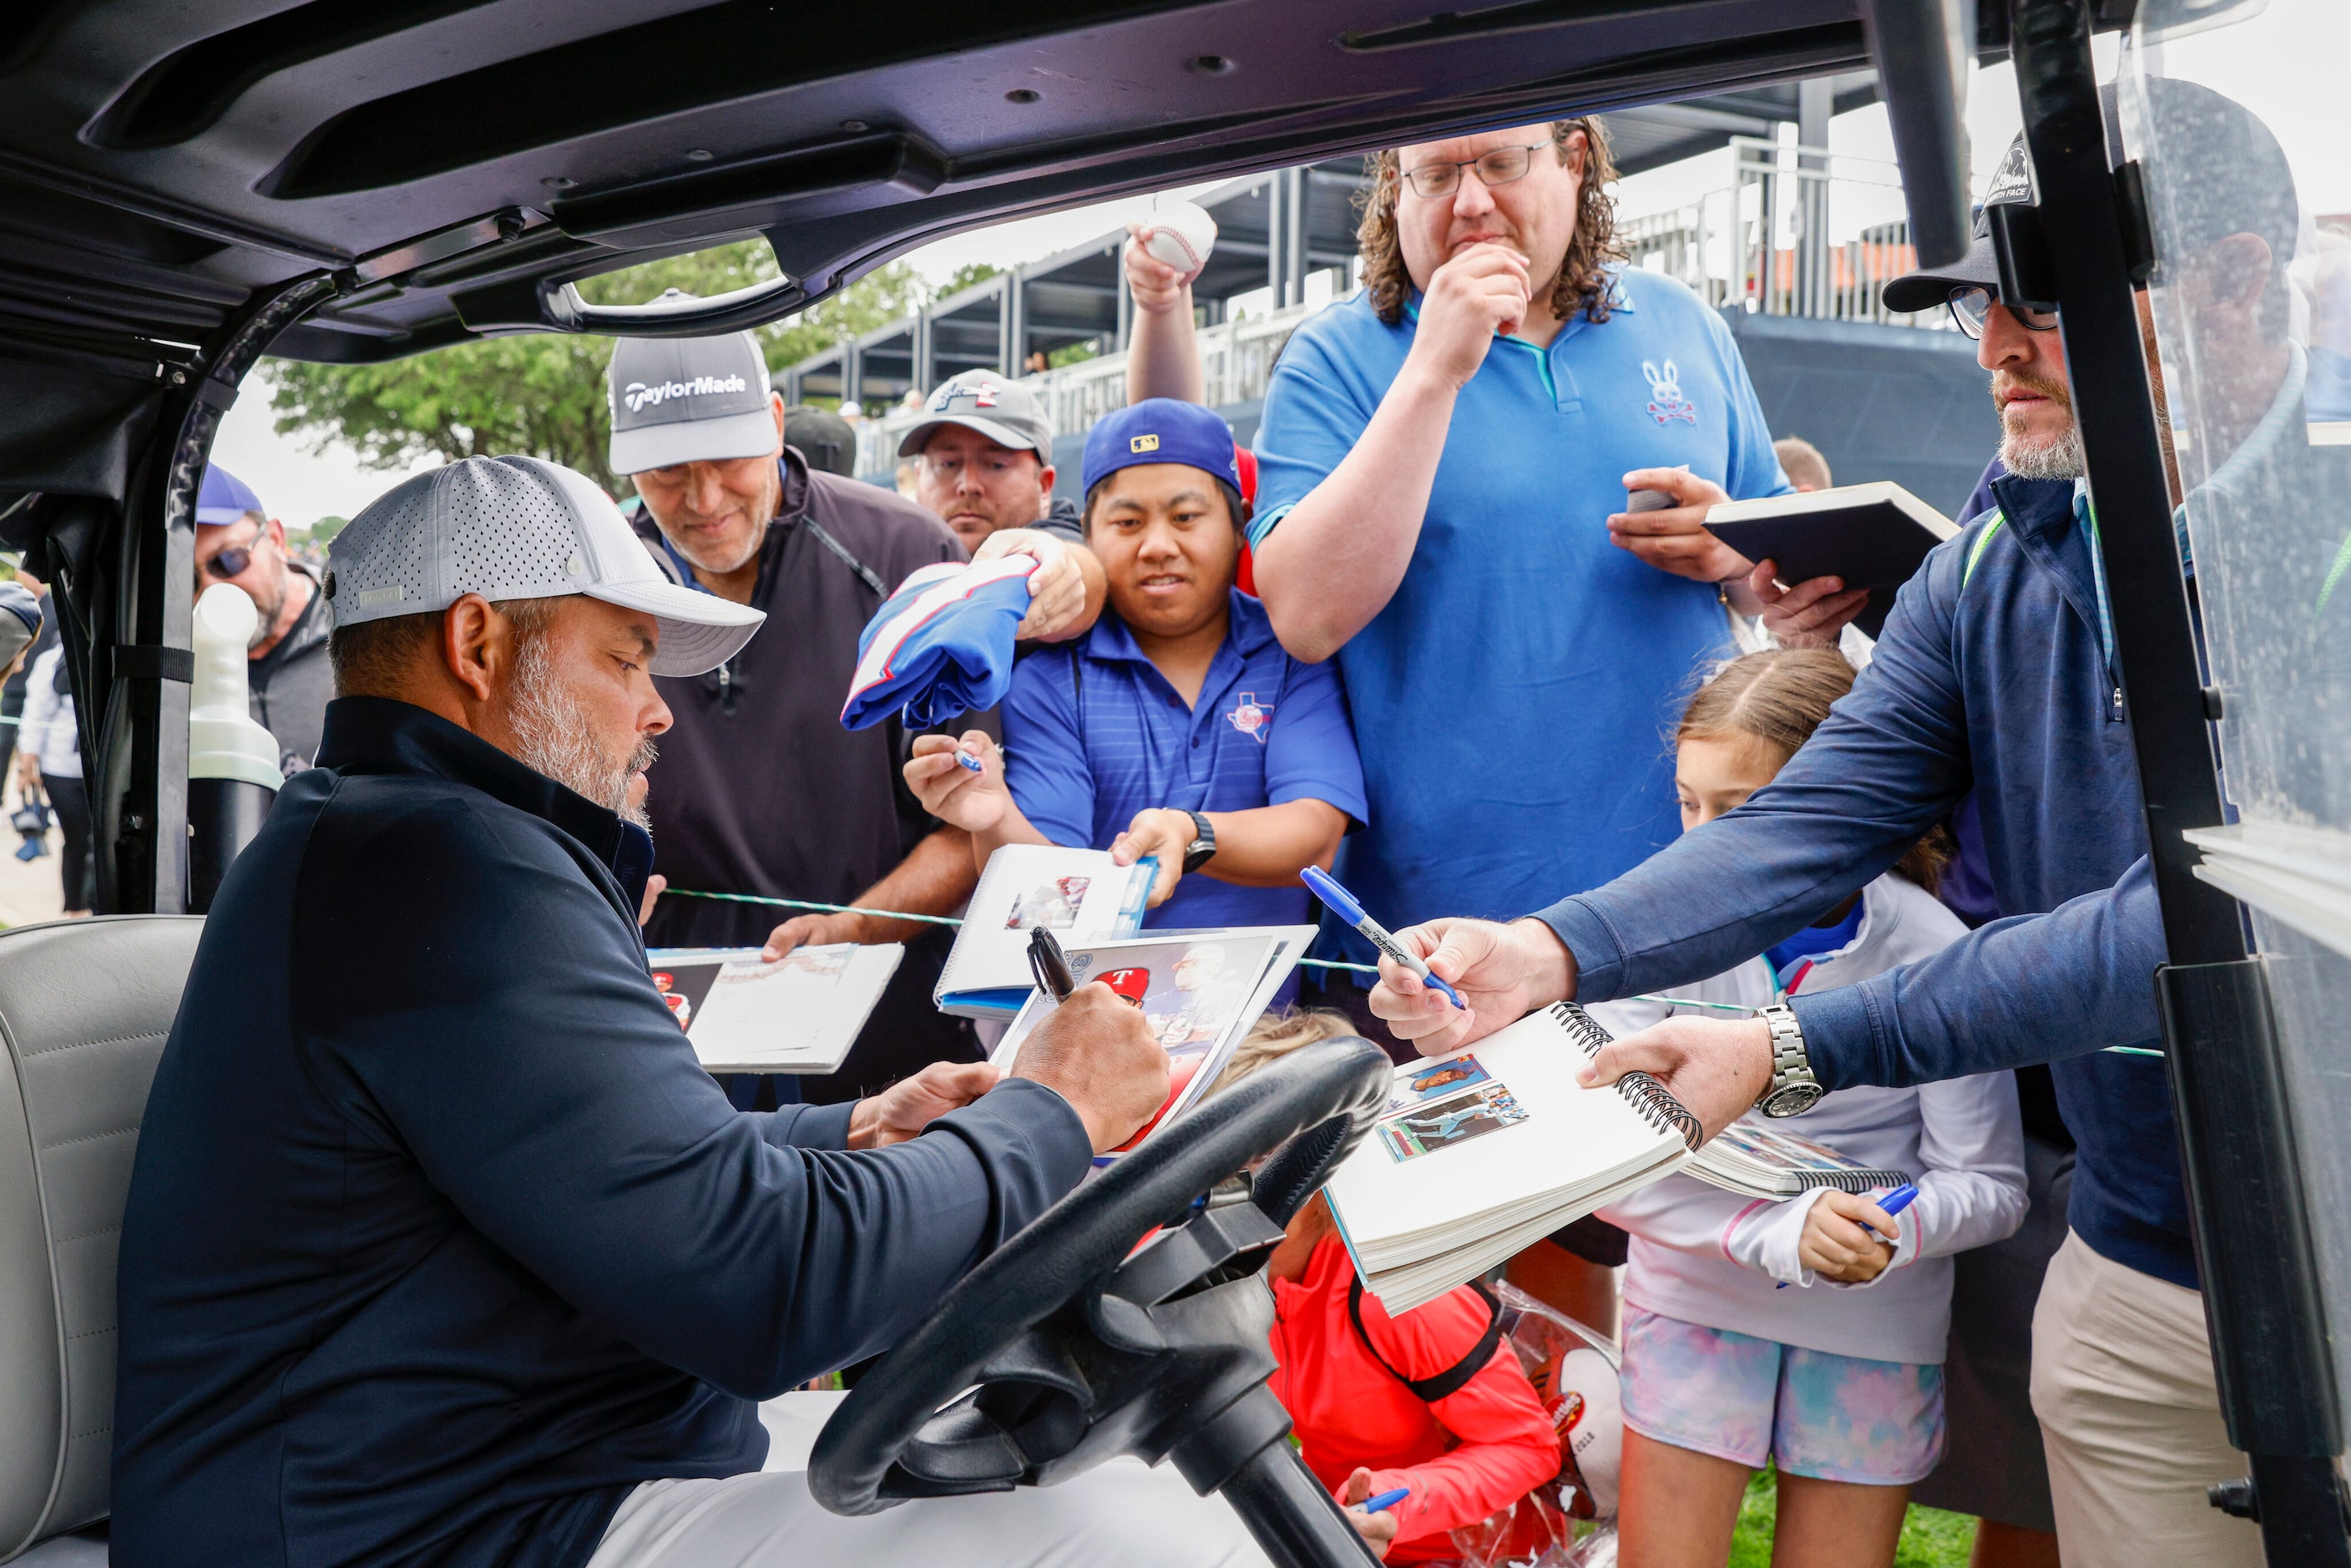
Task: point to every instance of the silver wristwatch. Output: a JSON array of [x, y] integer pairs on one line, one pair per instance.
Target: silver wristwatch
[[1794, 1089]]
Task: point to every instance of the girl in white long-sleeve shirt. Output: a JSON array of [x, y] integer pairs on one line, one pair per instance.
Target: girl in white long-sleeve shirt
[[1757, 1330]]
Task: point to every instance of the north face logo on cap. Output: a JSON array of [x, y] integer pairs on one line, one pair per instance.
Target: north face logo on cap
[[2013, 181], [1143, 443]]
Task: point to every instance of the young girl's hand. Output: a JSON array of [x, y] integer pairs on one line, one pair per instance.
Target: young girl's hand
[[955, 794], [1836, 1247]]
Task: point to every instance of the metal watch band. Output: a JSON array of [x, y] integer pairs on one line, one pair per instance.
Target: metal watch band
[[1793, 1087]]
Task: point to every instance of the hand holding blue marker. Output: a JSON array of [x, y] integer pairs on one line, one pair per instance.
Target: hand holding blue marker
[[969, 760], [1380, 1503], [1893, 1203], [1343, 904]]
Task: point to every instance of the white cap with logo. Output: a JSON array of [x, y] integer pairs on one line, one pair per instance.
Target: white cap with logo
[[519, 527]]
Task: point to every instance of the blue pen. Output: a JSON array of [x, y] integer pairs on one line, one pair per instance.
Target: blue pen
[[1342, 903], [969, 760], [1381, 1502], [1893, 1203]]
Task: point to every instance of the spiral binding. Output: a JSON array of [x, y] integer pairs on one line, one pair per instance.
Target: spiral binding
[[1653, 1099]]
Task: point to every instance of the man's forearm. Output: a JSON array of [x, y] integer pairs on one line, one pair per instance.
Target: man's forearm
[[1267, 846], [1163, 356], [1335, 560], [934, 880]]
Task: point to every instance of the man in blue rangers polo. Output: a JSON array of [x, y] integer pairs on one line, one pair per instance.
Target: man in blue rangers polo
[[441, 1247], [1178, 727], [1443, 465], [1996, 674]]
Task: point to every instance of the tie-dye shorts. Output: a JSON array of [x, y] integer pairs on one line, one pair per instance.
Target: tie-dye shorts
[[1834, 1418]]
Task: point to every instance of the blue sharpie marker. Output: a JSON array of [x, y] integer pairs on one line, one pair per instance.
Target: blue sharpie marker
[[1380, 1503], [1343, 904], [969, 760]]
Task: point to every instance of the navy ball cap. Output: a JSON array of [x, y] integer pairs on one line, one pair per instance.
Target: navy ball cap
[[1161, 430]]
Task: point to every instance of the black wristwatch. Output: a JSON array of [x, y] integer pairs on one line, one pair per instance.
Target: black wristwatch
[[1202, 847]]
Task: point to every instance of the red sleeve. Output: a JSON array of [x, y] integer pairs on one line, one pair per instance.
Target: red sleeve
[[1505, 1447]]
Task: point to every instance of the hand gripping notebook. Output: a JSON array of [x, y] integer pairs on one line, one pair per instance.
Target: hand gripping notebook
[[1081, 896], [1481, 1154]]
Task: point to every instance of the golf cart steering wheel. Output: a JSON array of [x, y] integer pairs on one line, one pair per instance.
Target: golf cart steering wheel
[[1060, 1351]]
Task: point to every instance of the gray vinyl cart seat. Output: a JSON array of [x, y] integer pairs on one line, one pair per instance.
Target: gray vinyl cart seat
[[85, 1005]]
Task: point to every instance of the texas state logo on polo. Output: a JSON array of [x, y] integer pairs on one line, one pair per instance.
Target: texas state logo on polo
[[1249, 717]]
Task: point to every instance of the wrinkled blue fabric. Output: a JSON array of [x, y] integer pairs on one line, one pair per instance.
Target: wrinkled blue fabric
[[940, 646]]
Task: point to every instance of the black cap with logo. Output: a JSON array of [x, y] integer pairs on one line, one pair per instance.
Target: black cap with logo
[[688, 400]]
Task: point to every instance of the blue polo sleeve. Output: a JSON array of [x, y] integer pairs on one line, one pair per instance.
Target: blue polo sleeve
[[1311, 422], [1044, 754], [1309, 749], [1754, 469]]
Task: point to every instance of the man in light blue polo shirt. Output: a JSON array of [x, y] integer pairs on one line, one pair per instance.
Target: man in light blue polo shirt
[[1445, 459], [1178, 727]]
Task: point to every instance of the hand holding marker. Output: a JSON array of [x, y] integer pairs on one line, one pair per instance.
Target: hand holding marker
[[1343, 904], [1893, 1203], [1380, 1503]]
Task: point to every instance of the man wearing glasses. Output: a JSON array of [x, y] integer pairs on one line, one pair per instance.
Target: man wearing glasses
[[1446, 458], [237, 541]]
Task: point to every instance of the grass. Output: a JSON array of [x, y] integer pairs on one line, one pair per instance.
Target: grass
[[1931, 1537]]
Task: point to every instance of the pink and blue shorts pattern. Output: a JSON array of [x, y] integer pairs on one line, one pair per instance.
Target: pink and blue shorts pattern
[[1833, 1417]]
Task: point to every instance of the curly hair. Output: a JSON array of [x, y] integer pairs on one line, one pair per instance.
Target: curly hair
[[1582, 281]]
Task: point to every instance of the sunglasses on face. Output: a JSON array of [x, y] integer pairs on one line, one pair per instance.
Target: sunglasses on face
[[1970, 306], [232, 561], [1430, 181]]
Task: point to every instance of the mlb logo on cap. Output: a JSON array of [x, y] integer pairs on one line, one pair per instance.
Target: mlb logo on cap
[[1161, 430]]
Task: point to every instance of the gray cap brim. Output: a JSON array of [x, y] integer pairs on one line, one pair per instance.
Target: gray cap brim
[[699, 631], [694, 441], [1925, 291], [1002, 434]]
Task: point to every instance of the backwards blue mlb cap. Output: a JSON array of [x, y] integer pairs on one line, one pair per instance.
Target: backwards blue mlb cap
[[226, 497], [1161, 430]]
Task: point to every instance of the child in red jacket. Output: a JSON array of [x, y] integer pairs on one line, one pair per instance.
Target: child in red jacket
[[1477, 1444]]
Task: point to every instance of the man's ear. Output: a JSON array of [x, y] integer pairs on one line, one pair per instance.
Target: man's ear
[[776, 407], [1045, 479], [474, 639]]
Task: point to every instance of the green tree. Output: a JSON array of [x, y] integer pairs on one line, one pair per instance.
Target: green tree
[[964, 277], [543, 394]]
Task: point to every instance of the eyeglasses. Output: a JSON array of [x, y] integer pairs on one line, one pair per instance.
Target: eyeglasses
[[1500, 167], [232, 561], [1969, 306]]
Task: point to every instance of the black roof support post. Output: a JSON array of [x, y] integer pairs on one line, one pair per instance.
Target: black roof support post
[[138, 738], [2254, 1247]]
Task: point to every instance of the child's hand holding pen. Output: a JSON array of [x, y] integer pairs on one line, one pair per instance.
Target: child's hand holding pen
[[1842, 1231], [1372, 1516]]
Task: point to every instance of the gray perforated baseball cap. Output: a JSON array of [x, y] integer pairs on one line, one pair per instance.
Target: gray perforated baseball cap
[[688, 400], [519, 527]]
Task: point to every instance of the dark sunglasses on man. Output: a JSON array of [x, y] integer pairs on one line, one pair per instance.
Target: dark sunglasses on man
[[1969, 306], [232, 561]]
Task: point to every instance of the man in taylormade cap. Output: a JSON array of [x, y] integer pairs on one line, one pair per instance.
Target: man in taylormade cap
[[288, 682], [760, 791], [984, 454], [440, 1242]]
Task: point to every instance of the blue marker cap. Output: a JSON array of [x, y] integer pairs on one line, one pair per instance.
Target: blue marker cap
[[969, 760], [1326, 888], [1380, 1503]]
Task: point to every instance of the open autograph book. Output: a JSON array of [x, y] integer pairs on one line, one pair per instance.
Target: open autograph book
[[1080, 896], [799, 1014], [1480, 1155], [1199, 990]]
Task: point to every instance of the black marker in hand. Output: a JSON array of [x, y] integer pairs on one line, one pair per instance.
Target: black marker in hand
[[1045, 962]]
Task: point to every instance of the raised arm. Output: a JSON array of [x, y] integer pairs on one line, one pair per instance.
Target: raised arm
[[1329, 563], [1162, 349]]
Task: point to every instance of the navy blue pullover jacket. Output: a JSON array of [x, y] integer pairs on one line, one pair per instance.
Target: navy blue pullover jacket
[[438, 1239], [1990, 676]]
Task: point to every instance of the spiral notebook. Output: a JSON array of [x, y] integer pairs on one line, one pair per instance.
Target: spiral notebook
[[1081, 896], [1481, 1154]]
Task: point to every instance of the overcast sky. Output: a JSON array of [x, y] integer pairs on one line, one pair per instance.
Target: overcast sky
[[2287, 63]]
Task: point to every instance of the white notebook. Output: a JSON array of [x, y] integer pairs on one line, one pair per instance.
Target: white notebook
[[1081, 896], [799, 1014], [1481, 1154]]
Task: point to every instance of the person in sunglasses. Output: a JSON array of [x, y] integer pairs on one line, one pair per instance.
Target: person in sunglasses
[[237, 541]]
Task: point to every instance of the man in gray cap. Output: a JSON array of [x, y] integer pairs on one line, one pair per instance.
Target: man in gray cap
[[760, 791], [440, 1244], [984, 454]]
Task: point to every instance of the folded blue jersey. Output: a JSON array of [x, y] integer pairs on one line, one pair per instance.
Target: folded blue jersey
[[941, 646]]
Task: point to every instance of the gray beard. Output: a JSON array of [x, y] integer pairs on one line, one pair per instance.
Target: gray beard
[[2058, 459], [551, 724]]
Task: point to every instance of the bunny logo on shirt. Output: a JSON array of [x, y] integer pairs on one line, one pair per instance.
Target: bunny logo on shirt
[[1665, 400]]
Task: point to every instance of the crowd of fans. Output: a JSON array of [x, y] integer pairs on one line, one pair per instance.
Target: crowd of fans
[[1425, 633]]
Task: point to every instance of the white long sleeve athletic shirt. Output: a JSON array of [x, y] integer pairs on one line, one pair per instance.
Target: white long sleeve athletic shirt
[[1706, 1256]]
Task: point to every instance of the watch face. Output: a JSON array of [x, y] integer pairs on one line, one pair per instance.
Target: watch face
[[1793, 1099]]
